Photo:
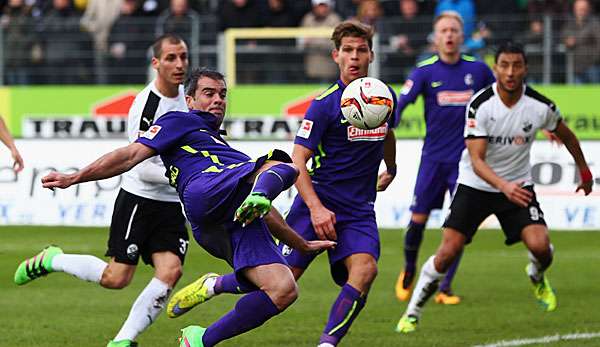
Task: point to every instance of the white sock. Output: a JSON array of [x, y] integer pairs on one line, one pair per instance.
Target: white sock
[[210, 284], [325, 344], [148, 305], [534, 269], [425, 287], [82, 266]]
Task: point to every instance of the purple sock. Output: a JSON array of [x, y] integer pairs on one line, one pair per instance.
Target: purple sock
[[274, 180], [251, 311], [229, 283], [412, 242], [447, 281], [343, 312]]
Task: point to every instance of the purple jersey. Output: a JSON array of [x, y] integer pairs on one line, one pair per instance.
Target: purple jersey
[[346, 159], [446, 91], [190, 144]]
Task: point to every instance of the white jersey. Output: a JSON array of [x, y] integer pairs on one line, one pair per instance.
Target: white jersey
[[147, 178], [510, 132]]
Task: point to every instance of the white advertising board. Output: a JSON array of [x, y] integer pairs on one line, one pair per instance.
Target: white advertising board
[[24, 201]]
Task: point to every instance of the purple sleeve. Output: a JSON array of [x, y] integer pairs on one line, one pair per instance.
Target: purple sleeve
[[411, 89], [163, 134], [313, 126]]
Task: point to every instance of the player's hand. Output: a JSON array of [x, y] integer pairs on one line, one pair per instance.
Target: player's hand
[[323, 221], [18, 164], [516, 194], [552, 137], [317, 246], [384, 180], [585, 186], [57, 180]]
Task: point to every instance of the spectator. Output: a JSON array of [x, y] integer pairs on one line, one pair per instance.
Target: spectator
[[551, 7], [239, 14], [98, 18], [64, 45], [178, 19], [409, 33], [128, 42], [318, 65], [533, 42], [18, 41], [346, 8], [581, 36], [278, 14], [369, 12]]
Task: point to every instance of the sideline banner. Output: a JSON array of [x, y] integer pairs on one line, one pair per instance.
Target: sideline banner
[[24, 201], [260, 112]]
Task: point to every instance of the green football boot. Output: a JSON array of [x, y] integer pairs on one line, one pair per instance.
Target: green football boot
[[191, 295], [255, 205], [36, 266], [192, 336], [544, 293], [407, 324], [122, 343]]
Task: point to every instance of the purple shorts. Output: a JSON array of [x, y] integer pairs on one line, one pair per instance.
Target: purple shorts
[[433, 180], [354, 235]]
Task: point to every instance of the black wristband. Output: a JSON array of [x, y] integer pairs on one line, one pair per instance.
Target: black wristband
[[392, 170]]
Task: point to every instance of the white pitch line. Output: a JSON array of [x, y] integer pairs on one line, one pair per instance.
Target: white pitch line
[[543, 339]]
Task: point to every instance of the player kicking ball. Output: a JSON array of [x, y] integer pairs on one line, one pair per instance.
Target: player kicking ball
[[495, 178]]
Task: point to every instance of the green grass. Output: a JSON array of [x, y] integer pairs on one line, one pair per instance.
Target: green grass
[[60, 310]]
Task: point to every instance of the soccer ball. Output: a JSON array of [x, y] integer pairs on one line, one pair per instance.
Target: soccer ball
[[367, 103]]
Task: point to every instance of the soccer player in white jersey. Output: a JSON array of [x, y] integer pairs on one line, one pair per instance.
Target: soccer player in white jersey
[[147, 219], [495, 178]]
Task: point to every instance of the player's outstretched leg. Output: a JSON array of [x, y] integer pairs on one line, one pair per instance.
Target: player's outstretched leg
[[268, 184], [445, 295], [412, 241], [37, 266], [345, 309], [425, 288]]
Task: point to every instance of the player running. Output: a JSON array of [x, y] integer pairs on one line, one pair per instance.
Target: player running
[[495, 178], [447, 81]]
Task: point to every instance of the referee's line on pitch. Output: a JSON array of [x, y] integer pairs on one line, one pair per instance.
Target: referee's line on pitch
[[543, 339]]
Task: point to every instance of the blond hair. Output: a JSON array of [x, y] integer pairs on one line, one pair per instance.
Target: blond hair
[[449, 14]]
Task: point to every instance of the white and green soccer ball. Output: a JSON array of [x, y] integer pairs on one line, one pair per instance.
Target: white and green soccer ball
[[367, 103]]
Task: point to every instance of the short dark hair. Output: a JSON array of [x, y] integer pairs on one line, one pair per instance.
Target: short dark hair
[[510, 47], [352, 28], [191, 83], [158, 43]]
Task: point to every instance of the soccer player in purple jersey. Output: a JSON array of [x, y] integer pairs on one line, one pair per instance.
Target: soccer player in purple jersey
[[447, 81], [337, 195], [218, 184]]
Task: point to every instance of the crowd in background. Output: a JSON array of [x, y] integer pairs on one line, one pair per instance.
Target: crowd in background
[[111, 37]]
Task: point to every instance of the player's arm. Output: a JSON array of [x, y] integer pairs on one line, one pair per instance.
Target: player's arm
[[389, 157], [514, 192], [323, 220], [283, 232], [8, 140], [109, 165], [572, 143]]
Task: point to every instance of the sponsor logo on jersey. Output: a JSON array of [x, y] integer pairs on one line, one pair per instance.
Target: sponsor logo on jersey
[[471, 123], [509, 140], [356, 134], [305, 129], [286, 250], [152, 131], [469, 79], [454, 97], [527, 126], [436, 84], [406, 87]]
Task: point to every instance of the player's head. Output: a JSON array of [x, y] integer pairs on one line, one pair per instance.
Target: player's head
[[448, 33], [170, 58], [205, 90], [353, 50], [510, 66]]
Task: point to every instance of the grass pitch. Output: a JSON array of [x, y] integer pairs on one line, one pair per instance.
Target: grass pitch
[[498, 303]]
